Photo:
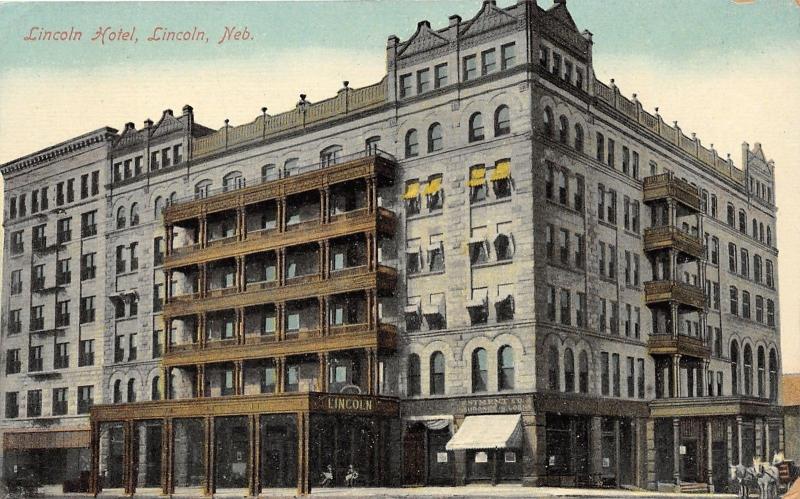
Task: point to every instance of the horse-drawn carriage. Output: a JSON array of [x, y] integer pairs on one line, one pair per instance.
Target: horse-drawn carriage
[[768, 479]]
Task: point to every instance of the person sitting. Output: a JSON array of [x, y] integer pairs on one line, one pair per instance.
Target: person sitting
[[351, 476], [327, 477]]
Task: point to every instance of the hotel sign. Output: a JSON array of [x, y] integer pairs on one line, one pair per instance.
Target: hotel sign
[[354, 404]]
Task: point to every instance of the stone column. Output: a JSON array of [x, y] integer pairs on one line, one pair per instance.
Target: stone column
[[758, 429], [94, 474], [238, 371], [209, 484], [170, 238], [739, 437], [676, 375], [596, 446], [323, 371], [240, 223], [676, 454], [280, 364], [201, 231], [650, 437], [303, 454], [767, 450]]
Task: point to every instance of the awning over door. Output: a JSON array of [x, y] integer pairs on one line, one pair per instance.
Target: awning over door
[[497, 431]]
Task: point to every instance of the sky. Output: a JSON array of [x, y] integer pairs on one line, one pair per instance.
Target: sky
[[727, 70]]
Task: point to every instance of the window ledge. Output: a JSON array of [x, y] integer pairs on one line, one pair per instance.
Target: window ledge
[[493, 263], [565, 207], [421, 216], [426, 273], [490, 202]]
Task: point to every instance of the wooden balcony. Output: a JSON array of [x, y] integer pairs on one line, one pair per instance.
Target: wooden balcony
[[338, 338], [355, 279], [666, 185], [659, 238], [354, 222], [656, 292], [667, 344], [361, 165]]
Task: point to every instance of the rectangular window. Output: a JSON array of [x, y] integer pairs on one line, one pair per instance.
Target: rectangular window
[[603, 315], [88, 266], [566, 309], [580, 310], [508, 54], [85, 399], [13, 364], [551, 303], [157, 344], [34, 403], [578, 194], [87, 309], [154, 163], [119, 350], [405, 85], [137, 166], [640, 378], [34, 201], [563, 246], [488, 62], [84, 186], [604, 374], [626, 160], [70, 190], [616, 373], [423, 80], [601, 141], [12, 405], [636, 165], [132, 347], [35, 359], [14, 322], [134, 249], [177, 154], [37, 318], [631, 376], [16, 282], [628, 319], [580, 255], [614, 317], [165, 158], [470, 67], [89, 224], [440, 75], [120, 260], [556, 70], [637, 320], [86, 354], [62, 313], [611, 161], [59, 401]]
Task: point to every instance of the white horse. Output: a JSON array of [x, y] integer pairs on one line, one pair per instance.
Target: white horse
[[768, 479], [745, 478]]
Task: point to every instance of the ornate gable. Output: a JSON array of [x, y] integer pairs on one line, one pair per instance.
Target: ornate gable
[[424, 40], [560, 13], [488, 19], [130, 136], [167, 124]]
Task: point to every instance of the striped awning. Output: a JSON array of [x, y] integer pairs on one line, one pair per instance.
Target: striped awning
[[477, 176], [412, 190], [501, 171], [433, 186]]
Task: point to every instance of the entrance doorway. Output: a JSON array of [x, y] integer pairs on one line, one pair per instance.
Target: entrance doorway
[[414, 455]]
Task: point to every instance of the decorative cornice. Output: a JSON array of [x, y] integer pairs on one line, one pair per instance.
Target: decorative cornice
[[48, 154]]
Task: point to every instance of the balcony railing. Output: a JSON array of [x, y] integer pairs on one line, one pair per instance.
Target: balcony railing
[[668, 344], [657, 238], [669, 291], [667, 185], [294, 172]]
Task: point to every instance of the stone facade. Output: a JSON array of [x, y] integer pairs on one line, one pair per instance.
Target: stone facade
[[522, 253]]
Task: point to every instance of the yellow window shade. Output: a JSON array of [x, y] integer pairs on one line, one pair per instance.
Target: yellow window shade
[[502, 171], [477, 177], [412, 190], [433, 186]]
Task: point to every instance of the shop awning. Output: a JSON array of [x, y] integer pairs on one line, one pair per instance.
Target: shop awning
[[477, 177], [412, 190], [502, 171], [433, 186], [496, 431]]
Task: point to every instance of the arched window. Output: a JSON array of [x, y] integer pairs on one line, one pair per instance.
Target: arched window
[[480, 370], [131, 390], [578, 138], [748, 370], [330, 155], [435, 137], [553, 382], [413, 375], [742, 222], [476, 127], [121, 217], [290, 167], [563, 129], [548, 121], [412, 144], [773, 375], [371, 145], [173, 198], [731, 215], [232, 181], [569, 371], [437, 373], [762, 361], [269, 172], [502, 121], [734, 368], [505, 368], [155, 389], [583, 372], [201, 189], [134, 214], [117, 392], [158, 207]]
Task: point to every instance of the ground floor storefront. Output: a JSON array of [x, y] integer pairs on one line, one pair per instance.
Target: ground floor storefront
[[249, 445], [48, 457], [695, 442]]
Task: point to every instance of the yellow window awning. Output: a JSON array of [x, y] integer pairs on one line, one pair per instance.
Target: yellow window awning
[[501, 171], [477, 177], [433, 186], [412, 190]]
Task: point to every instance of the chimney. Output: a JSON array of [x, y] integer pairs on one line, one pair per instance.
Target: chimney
[[187, 110], [455, 20], [423, 23], [130, 126]]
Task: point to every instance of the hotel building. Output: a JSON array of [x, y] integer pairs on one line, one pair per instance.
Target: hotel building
[[488, 266]]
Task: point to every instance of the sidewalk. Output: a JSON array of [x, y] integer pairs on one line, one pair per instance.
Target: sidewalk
[[503, 490]]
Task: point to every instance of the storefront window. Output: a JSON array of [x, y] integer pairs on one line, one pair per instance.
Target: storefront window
[[189, 443], [279, 451], [231, 452]]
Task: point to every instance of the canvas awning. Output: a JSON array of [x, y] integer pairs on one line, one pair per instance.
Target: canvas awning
[[433, 186], [502, 171], [477, 177], [412, 191], [495, 431]]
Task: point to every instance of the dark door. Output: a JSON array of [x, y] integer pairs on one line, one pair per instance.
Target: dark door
[[414, 455], [440, 462], [581, 448], [689, 462], [719, 458]]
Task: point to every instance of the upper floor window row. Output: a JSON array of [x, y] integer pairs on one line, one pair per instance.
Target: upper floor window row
[[477, 132], [160, 157], [38, 200], [562, 67]]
